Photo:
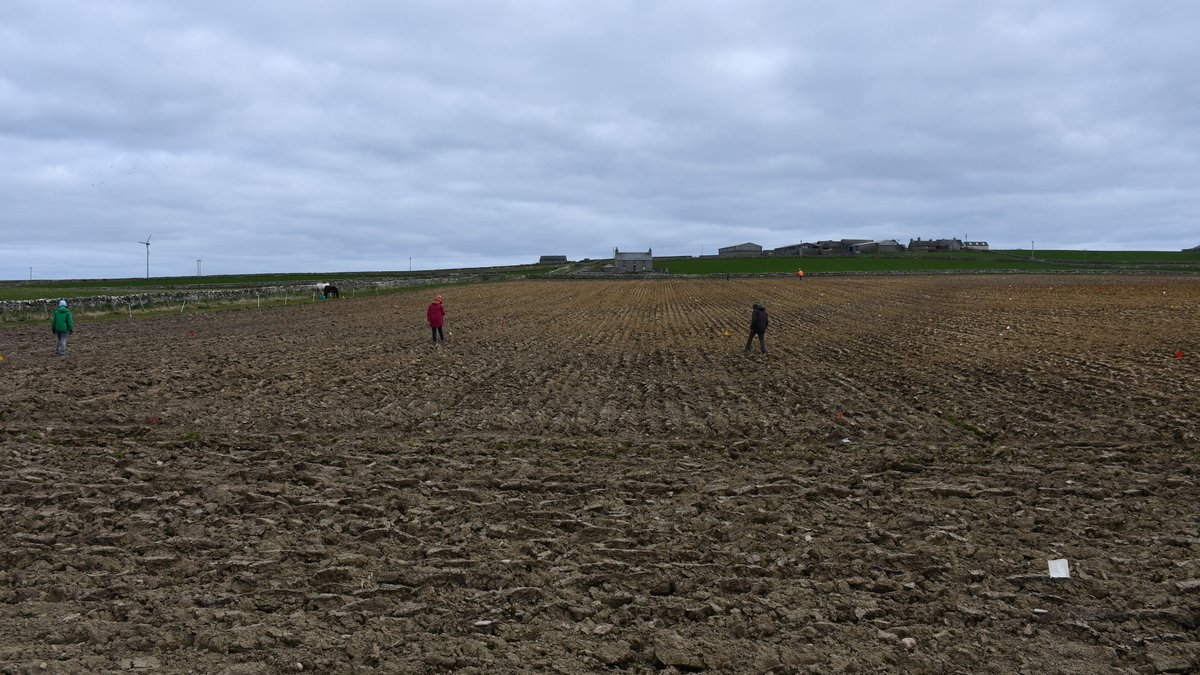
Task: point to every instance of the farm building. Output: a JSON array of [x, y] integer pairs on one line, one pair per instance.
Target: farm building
[[945, 245], [548, 259], [881, 246], [796, 250], [839, 245], [975, 246], [633, 261], [1194, 248], [746, 249]]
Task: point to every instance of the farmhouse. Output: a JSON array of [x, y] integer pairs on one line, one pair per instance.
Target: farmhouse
[[881, 246], [633, 261], [740, 250], [945, 245], [549, 259]]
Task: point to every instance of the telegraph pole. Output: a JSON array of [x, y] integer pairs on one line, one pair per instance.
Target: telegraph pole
[[198, 261]]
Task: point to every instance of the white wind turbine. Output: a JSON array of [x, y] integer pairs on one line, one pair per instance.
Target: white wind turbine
[[147, 243]]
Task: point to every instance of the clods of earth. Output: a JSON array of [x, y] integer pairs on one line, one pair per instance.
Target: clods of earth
[[595, 477]]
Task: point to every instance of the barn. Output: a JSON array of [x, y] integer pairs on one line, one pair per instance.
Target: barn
[[740, 250], [796, 250], [881, 246], [948, 245]]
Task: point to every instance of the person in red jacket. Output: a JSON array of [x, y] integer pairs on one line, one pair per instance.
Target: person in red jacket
[[435, 316]]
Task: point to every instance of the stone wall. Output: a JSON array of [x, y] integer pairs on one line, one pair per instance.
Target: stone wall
[[41, 308]]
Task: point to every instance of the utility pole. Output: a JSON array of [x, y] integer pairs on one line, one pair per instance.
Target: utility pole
[[198, 261], [410, 263], [31, 274]]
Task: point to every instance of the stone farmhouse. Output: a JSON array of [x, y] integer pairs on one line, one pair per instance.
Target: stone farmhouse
[[633, 261]]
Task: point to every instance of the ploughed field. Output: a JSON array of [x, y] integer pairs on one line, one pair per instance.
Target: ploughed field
[[593, 476]]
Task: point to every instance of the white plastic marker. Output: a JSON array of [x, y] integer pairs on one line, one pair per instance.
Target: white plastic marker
[[1059, 569]]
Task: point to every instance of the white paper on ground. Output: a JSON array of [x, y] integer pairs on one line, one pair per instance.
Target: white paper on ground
[[1059, 569]]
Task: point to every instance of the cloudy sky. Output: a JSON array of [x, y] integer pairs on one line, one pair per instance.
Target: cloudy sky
[[340, 136]]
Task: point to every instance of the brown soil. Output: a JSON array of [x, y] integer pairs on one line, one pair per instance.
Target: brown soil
[[605, 481]]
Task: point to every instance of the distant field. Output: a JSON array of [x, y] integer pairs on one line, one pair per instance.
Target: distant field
[[882, 263], [1043, 261], [74, 288], [995, 261]]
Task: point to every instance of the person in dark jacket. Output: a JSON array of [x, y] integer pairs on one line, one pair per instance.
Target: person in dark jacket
[[435, 316], [758, 326], [63, 325]]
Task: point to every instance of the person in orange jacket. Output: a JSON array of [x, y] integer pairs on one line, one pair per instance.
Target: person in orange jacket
[[435, 316]]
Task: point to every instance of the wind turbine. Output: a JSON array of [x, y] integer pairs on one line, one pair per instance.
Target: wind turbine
[[147, 243]]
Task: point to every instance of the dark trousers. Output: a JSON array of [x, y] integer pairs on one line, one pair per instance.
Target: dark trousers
[[437, 333], [762, 342]]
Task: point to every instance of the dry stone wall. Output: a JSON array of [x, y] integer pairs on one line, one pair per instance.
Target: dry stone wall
[[18, 310]]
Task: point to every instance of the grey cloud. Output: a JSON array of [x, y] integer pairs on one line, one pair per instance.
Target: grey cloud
[[304, 135]]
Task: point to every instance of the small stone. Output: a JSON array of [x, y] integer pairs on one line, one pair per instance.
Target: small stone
[[616, 653], [1188, 585], [909, 643], [1171, 657], [673, 650]]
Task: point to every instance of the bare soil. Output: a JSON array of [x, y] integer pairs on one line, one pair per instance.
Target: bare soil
[[593, 476]]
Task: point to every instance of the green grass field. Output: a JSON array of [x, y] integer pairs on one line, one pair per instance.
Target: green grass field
[[75, 288], [1019, 261], [995, 261]]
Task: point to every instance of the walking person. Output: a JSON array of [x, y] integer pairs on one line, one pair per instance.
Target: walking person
[[435, 316], [63, 325], [758, 326]]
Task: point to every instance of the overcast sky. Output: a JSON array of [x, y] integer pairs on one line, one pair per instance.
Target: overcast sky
[[344, 136]]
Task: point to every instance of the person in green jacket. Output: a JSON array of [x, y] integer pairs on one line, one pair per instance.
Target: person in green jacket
[[63, 325]]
